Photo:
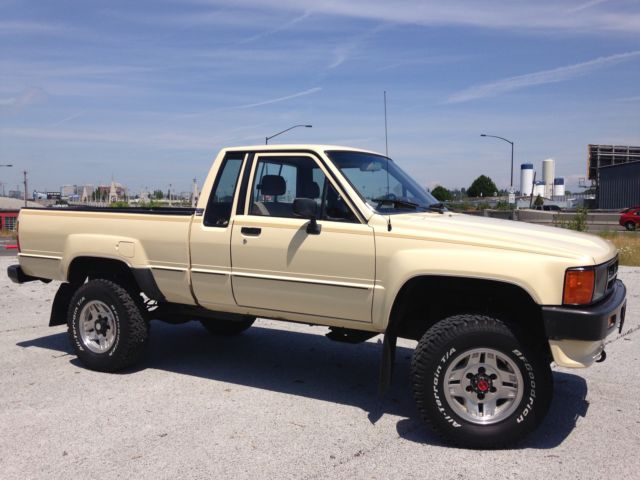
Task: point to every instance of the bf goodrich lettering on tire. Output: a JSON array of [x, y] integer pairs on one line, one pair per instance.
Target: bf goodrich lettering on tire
[[532, 379], [436, 380]]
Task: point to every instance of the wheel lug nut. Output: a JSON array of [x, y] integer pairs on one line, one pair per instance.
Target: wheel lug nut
[[493, 376], [481, 370], [469, 376], [480, 396], [469, 388], [493, 389]]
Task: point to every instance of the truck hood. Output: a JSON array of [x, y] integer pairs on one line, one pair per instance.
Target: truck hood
[[503, 234]]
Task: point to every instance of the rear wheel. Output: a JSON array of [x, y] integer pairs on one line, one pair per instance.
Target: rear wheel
[[477, 385], [106, 327], [630, 226], [217, 326]]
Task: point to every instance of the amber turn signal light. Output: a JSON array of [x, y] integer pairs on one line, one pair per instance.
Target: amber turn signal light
[[578, 287]]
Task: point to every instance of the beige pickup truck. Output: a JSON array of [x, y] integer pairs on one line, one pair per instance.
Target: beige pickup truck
[[342, 238]]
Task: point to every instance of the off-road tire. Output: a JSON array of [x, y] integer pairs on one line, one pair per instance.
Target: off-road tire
[[439, 351], [630, 226], [131, 328], [217, 326]]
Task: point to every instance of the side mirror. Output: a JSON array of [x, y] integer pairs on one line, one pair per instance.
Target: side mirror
[[307, 208]]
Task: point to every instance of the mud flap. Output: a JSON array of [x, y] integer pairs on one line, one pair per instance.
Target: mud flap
[[388, 362], [61, 304]]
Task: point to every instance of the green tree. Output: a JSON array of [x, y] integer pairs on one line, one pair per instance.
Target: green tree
[[442, 194], [482, 186], [538, 202], [158, 195]]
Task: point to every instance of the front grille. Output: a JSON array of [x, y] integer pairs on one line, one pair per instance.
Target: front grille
[[612, 273]]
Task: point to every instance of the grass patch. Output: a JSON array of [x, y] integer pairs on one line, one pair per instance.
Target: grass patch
[[628, 245]]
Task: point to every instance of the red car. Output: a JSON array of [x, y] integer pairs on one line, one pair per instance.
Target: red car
[[630, 218]]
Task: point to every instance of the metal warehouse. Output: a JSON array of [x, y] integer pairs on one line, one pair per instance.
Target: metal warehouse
[[615, 172], [619, 186]]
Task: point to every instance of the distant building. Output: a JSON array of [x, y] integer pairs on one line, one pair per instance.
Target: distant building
[[558, 187], [8, 219], [614, 170], [110, 193], [526, 179], [619, 185], [67, 191]]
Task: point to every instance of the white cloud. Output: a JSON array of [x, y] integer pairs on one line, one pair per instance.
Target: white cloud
[[279, 99], [25, 98], [542, 14], [17, 28], [538, 78], [583, 6]]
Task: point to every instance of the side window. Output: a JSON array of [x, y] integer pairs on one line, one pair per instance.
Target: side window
[[220, 201], [278, 181]]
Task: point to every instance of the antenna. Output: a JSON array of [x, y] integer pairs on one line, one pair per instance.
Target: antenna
[[386, 152], [386, 139]]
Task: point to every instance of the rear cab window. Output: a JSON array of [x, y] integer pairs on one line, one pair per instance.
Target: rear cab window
[[218, 211]]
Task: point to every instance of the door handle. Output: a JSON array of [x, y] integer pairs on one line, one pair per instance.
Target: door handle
[[250, 231]]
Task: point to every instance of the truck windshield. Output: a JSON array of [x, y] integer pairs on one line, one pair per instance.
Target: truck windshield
[[381, 183]]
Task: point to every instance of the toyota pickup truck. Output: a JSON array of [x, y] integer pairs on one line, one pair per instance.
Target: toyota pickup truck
[[342, 238]]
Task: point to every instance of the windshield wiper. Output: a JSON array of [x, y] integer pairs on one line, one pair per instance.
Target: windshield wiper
[[396, 202], [437, 207]]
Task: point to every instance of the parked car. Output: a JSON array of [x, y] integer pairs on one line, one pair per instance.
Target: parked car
[[548, 208], [630, 218]]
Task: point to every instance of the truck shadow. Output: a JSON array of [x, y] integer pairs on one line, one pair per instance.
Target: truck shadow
[[311, 366]]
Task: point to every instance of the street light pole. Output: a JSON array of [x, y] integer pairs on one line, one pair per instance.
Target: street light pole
[[508, 141], [266, 139], [3, 183]]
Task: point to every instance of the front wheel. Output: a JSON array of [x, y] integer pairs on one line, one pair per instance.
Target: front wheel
[[630, 226], [477, 385]]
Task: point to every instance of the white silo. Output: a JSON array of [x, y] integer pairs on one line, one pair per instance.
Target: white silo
[[548, 174], [558, 187], [538, 188], [526, 179]]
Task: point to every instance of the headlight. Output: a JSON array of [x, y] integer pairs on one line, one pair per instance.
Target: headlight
[[579, 286], [602, 277]]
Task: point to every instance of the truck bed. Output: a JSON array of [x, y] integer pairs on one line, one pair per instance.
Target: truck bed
[[156, 238]]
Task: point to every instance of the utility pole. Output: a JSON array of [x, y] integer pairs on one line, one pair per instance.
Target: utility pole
[[3, 183], [25, 187]]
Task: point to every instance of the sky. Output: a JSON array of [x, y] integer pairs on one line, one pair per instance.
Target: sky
[[147, 92]]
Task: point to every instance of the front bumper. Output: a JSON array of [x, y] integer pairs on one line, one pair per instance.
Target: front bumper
[[576, 334], [589, 322]]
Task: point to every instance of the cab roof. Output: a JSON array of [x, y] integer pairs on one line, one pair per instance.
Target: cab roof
[[293, 147]]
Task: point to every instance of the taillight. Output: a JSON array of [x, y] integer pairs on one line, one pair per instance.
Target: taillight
[[578, 286]]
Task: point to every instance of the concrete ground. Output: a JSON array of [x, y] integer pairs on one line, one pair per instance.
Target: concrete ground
[[279, 401]]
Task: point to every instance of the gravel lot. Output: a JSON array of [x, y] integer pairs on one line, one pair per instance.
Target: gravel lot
[[279, 401]]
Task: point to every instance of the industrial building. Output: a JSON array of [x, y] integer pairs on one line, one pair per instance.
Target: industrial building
[[549, 186], [614, 170]]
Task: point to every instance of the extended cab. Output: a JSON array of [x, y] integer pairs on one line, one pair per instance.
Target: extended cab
[[343, 238]]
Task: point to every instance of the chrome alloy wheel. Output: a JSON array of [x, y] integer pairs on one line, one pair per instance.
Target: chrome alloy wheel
[[483, 386], [97, 326]]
